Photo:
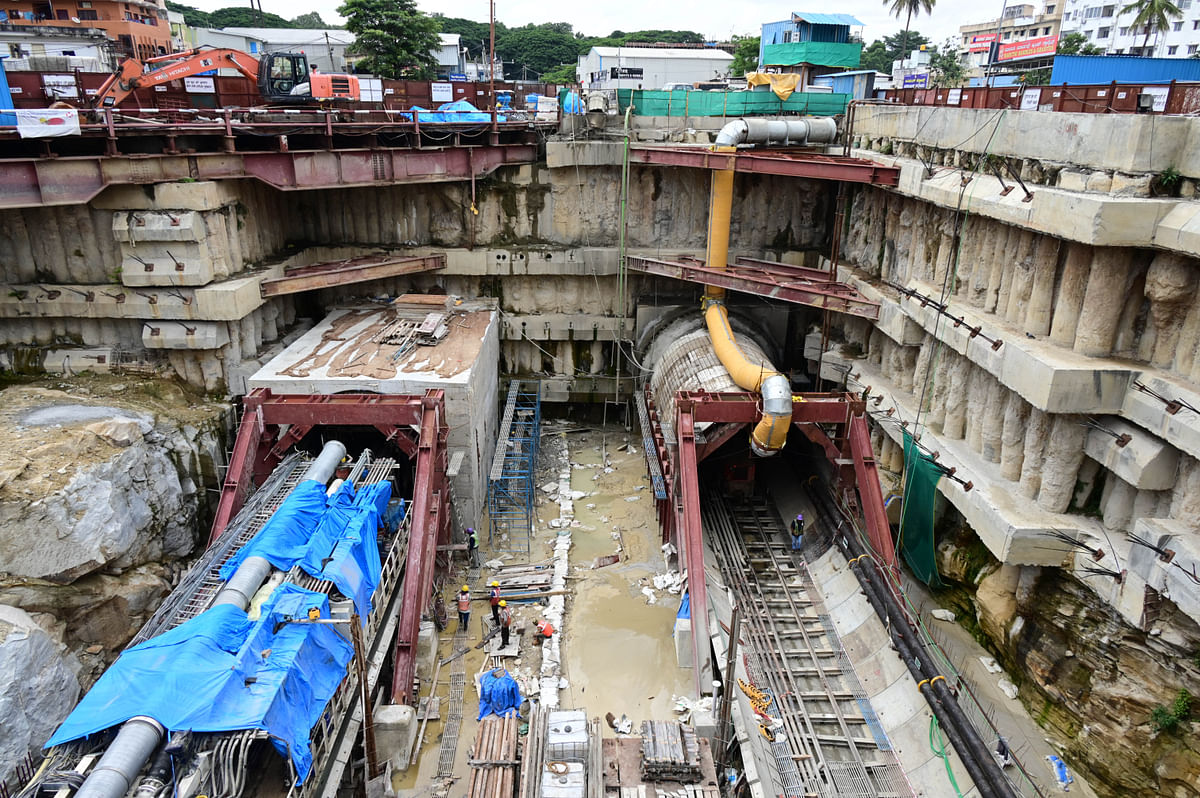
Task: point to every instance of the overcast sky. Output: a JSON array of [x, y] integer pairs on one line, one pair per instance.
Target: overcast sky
[[716, 19]]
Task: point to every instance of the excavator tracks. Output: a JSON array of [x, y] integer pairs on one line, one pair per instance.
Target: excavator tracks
[[810, 707]]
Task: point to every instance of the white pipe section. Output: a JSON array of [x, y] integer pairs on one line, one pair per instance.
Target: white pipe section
[[129, 750], [810, 130], [139, 736], [776, 395]]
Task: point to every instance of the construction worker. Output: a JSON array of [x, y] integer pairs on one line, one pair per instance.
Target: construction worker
[[473, 546], [797, 531], [505, 621], [496, 602], [464, 608]]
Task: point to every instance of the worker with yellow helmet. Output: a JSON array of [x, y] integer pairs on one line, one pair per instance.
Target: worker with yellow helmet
[[494, 598], [505, 622], [464, 608]]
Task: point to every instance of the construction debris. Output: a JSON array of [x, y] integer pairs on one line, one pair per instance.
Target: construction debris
[[670, 751], [494, 758]]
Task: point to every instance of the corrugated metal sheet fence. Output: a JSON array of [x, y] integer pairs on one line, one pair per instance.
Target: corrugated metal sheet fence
[[1108, 98]]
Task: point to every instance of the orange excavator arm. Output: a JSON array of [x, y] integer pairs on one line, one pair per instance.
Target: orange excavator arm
[[132, 74]]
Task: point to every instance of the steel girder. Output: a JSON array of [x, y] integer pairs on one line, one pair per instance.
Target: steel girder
[[772, 162]]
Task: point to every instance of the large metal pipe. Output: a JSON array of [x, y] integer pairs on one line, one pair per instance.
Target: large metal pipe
[[139, 736], [114, 774], [797, 132]]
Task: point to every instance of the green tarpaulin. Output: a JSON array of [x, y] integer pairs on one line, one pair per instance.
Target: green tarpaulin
[[833, 54], [921, 476], [728, 103]]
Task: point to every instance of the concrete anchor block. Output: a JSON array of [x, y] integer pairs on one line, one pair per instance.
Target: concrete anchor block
[[167, 334]]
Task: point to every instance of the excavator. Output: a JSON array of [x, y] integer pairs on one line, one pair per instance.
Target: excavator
[[281, 77]]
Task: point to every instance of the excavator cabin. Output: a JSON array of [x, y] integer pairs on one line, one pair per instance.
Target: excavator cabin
[[284, 77]]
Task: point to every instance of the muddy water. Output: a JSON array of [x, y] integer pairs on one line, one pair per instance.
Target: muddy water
[[618, 653]]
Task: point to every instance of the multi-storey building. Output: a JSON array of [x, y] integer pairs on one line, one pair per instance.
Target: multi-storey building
[[139, 27], [1020, 23], [1105, 25]]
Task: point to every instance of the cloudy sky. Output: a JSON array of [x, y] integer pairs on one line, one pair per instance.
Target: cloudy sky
[[715, 18]]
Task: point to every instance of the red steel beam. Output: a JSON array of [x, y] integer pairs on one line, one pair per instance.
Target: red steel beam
[[716, 441], [869, 493], [348, 271], [349, 409], [824, 294], [773, 162], [428, 521], [239, 476], [817, 408], [72, 180], [691, 534]]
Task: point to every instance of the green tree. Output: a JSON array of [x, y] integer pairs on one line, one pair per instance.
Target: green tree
[[946, 70], [882, 53], [395, 38], [242, 17], [1154, 15], [908, 8], [310, 20], [191, 16], [1077, 44], [473, 35], [536, 48], [563, 73], [745, 55]]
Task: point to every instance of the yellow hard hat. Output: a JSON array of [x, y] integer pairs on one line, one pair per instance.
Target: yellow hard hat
[[495, 584], [465, 589], [503, 603]]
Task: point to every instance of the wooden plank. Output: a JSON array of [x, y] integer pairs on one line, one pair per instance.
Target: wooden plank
[[346, 272]]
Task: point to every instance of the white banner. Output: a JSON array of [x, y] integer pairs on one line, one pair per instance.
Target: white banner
[[442, 92], [200, 85], [43, 122]]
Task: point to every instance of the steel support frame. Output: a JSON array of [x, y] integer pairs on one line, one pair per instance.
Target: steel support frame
[[73, 180], [349, 271], [849, 451], [774, 281], [430, 528], [772, 162]]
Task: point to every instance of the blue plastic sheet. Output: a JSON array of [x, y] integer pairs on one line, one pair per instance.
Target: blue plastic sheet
[[283, 540], [685, 607], [220, 672], [498, 694], [458, 111]]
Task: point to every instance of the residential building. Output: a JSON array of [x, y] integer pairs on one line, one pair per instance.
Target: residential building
[[325, 47], [183, 37], [53, 48], [226, 38], [811, 44], [1024, 32], [1104, 25], [649, 67], [139, 27], [450, 60]]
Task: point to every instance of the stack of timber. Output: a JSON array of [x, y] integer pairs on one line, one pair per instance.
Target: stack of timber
[[494, 758], [519, 583], [534, 757], [670, 751]]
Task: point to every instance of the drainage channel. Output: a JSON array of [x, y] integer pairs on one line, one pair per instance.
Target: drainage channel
[[830, 743]]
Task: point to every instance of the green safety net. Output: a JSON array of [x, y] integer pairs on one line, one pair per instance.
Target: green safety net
[[648, 102], [833, 54], [921, 475]]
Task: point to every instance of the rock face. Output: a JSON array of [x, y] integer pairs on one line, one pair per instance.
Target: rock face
[[38, 689], [104, 497]]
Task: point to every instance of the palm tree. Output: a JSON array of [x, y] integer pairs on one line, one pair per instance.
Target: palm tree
[[1153, 14], [910, 7]]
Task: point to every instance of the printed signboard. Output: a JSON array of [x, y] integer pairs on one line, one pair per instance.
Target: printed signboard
[[1030, 99], [918, 81], [60, 87], [981, 42], [200, 85], [1159, 93], [457, 77], [1043, 45], [625, 73], [442, 92], [954, 97]]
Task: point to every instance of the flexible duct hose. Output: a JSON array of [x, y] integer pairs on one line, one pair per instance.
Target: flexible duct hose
[[771, 432]]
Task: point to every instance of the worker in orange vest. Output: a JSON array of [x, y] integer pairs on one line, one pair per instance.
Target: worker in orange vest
[[544, 627], [494, 598], [505, 622], [464, 608]]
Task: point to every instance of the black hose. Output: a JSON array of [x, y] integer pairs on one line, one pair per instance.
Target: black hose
[[975, 755]]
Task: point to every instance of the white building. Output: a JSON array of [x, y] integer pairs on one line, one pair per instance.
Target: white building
[[49, 48], [1103, 24], [450, 59], [650, 67], [326, 48]]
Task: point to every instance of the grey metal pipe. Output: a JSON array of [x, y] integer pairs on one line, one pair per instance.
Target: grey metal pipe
[[129, 750], [810, 130], [139, 736]]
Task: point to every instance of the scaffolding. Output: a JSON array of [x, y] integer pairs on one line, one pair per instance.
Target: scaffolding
[[510, 483]]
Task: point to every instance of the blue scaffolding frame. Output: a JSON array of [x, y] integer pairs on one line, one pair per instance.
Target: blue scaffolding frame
[[510, 482]]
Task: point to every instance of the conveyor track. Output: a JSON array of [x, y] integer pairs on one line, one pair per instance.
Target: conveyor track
[[831, 743]]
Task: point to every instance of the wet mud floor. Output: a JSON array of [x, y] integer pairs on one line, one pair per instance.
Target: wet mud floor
[[617, 648]]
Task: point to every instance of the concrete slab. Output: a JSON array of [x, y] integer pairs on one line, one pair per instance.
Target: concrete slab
[[345, 352], [1146, 462]]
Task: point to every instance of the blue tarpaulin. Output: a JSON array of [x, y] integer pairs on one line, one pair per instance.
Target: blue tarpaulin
[[457, 111], [331, 538], [221, 671], [498, 694]]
